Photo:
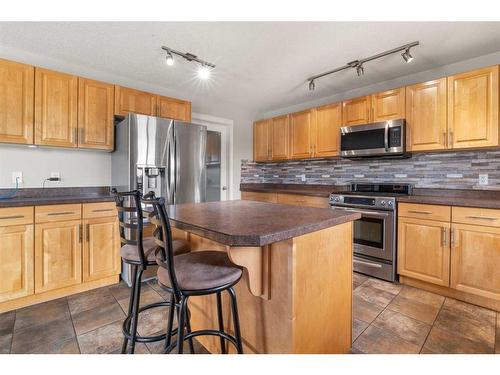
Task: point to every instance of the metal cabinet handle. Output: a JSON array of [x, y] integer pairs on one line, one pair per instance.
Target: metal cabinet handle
[[368, 264], [482, 218], [87, 231], [444, 231], [452, 237], [103, 210], [60, 213], [450, 144], [80, 233], [11, 217], [444, 138], [420, 212]]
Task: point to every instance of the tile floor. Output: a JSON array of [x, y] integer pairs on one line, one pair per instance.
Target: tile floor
[[388, 318]]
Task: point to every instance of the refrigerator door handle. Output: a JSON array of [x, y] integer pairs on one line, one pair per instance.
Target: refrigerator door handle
[[171, 170]]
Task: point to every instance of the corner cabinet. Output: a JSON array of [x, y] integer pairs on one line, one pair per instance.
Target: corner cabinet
[[56, 108], [17, 85], [426, 117], [95, 114], [473, 108]]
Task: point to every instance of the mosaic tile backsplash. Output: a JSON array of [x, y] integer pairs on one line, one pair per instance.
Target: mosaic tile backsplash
[[451, 170]]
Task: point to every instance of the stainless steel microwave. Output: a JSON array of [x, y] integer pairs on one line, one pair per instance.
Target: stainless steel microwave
[[380, 139]]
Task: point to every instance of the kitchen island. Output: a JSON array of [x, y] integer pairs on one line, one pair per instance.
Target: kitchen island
[[296, 292]]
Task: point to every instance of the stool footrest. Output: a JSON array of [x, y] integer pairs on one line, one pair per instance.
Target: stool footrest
[[205, 332], [146, 339]]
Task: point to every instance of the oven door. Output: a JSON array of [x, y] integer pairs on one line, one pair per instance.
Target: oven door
[[373, 233]]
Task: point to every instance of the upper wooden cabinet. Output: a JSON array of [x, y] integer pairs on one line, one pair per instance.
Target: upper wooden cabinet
[[174, 108], [135, 101], [301, 134], [17, 84], [473, 108], [426, 117], [356, 111], [279, 138], [388, 105], [95, 114], [261, 140], [328, 120], [55, 108]]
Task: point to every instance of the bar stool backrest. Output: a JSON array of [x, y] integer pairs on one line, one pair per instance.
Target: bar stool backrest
[[131, 225], [163, 238]]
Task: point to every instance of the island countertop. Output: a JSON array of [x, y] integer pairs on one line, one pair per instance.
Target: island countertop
[[250, 223]]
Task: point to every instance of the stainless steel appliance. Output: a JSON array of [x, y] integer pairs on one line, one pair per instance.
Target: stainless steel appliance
[[160, 155], [213, 163], [375, 233], [380, 139]]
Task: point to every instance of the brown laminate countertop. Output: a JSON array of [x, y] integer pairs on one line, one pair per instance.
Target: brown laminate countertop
[[249, 223], [454, 197], [52, 196], [302, 189]]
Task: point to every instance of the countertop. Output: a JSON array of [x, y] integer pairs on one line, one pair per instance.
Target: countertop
[[454, 197], [51, 196], [302, 189], [249, 223]]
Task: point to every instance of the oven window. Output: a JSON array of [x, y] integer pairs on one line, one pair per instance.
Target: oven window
[[369, 232]]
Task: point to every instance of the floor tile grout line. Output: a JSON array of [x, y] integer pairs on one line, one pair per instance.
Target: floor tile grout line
[[432, 325], [74, 330], [12, 335]]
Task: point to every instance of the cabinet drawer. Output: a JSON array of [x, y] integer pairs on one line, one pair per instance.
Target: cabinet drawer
[[262, 197], [101, 209], [60, 212], [476, 216], [303, 200], [16, 216], [425, 211]]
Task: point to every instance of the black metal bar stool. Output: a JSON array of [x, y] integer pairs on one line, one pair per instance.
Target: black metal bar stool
[[140, 253], [193, 274]]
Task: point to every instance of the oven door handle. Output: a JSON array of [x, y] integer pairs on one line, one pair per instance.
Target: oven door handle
[[386, 137], [372, 213]]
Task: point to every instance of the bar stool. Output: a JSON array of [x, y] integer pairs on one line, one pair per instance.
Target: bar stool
[[193, 274], [140, 253]]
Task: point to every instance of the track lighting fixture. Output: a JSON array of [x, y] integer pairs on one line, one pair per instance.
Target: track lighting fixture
[[311, 85], [407, 57], [170, 59], [205, 67], [358, 64], [360, 70]]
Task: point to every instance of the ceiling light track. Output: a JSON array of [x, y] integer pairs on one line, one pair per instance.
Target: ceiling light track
[[358, 64], [188, 56]]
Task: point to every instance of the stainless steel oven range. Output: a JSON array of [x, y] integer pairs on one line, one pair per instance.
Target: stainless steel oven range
[[375, 233]]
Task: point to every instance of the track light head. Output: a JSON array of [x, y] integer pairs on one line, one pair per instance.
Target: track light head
[[407, 57], [312, 86], [360, 70], [170, 59]]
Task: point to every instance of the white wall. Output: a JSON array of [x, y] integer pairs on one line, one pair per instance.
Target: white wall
[[86, 168], [443, 71]]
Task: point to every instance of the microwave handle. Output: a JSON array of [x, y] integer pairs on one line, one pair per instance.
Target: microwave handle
[[386, 138]]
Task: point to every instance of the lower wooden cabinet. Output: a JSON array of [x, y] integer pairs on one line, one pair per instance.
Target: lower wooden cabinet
[[286, 198], [101, 244], [58, 255], [16, 261], [424, 250], [475, 260]]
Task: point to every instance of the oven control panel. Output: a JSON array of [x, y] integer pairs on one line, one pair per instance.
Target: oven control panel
[[381, 203]]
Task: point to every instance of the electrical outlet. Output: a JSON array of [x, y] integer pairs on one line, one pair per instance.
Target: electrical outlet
[[17, 175], [303, 177], [55, 175], [483, 179]]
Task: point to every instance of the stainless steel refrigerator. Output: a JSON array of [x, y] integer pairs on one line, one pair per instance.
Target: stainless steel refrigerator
[[160, 155]]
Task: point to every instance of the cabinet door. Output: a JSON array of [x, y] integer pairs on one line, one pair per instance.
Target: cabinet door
[[101, 248], [280, 138], [58, 255], [16, 262], [17, 85], [327, 130], [95, 114], [426, 116], [261, 140], [356, 111], [473, 108], [388, 105], [475, 260], [134, 101], [301, 134], [55, 108], [424, 250], [174, 108]]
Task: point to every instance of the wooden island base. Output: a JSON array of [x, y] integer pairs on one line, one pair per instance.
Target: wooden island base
[[305, 299]]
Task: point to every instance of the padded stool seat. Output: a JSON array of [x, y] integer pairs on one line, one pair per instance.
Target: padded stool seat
[[130, 253]]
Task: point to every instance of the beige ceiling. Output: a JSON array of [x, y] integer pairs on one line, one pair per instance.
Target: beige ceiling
[[260, 66]]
